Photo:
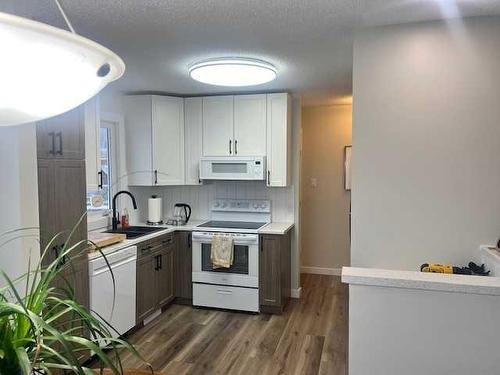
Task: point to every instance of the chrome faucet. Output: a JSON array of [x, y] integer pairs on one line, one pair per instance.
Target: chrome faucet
[[115, 221]]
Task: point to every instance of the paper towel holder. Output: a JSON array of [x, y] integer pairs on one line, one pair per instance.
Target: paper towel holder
[[150, 222]]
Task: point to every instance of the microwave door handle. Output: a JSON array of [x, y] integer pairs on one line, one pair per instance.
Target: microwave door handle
[[230, 147]]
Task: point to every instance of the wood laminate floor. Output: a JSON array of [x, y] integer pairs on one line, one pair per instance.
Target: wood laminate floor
[[309, 338]]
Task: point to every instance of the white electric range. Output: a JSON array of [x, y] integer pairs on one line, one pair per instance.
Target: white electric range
[[236, 287]]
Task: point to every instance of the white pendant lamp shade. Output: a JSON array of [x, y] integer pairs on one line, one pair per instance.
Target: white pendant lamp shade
[[233, 72], [45, 71]]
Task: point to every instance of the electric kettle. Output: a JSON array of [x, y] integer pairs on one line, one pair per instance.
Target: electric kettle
[[182, 213]]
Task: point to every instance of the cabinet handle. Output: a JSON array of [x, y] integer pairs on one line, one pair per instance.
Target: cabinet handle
[[157, 265], [236, 147], [53, 151], [268, 178], [160, 265], [190, 239], [60, 151], [99, 175], [230, 147], [156, 177]]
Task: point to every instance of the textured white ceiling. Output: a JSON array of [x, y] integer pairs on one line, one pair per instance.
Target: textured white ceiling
[[309, 41]]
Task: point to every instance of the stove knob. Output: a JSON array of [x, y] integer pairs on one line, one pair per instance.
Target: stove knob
[[223, 205], [255, 205], [216, 204]]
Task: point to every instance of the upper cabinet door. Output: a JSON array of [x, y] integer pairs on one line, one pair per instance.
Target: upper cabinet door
[[193, 130], [138, 140], [218, 126], [168, 140], [278, 139], [250, 125], [63, 136]]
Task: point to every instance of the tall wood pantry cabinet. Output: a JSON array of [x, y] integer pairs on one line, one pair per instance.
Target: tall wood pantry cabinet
[[62, 195]]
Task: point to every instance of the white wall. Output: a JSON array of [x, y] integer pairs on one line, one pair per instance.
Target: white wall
[[414, 332], [426, 141], [18, 199]]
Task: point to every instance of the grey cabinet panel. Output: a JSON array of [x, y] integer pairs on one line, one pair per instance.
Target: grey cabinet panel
[[70, 195], [63, 136], [165, 275], [274, 272], [183, 267], [46, 203], [146, 296], [270, 271], [155, 275]]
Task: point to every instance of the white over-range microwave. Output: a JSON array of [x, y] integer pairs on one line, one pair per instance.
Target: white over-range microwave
[[233, 168]]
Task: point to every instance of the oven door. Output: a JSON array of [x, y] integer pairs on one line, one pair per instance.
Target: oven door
[[245, 268]]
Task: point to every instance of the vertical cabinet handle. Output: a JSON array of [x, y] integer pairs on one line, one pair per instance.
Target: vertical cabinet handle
[[156, 177], [99, 175], [60, 151], [53, 150], [157, 260], [160, 265], [236, 147], [268, 177], [230, 147]]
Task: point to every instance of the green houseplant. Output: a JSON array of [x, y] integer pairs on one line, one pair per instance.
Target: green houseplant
[[44, 330]]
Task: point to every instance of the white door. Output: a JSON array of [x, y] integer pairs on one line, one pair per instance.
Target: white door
[[168, 140], [218, 126], [193, 129], [278, 139], [250, 125]]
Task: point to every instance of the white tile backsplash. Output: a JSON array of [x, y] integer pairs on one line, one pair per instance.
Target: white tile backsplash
[[201, 197]]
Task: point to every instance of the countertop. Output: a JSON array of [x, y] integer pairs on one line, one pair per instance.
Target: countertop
[[485, 285], [271, 228]]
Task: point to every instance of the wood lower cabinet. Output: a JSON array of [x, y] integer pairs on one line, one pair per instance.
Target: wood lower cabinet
[[274, 272], [183, 261], [164, 258], [155, 275], [145, 285]]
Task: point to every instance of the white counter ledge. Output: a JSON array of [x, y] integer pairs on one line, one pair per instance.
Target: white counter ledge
[[276, 228], [485, 285]]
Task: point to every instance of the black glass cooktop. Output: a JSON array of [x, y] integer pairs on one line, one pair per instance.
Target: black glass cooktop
[[231, 225]]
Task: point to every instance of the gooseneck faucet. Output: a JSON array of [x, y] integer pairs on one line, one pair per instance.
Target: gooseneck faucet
[[115, 220]]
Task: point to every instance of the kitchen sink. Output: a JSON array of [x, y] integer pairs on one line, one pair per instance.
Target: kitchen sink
[[135, 231]]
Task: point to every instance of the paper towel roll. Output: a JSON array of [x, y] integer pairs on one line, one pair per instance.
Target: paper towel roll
[[154, 210]]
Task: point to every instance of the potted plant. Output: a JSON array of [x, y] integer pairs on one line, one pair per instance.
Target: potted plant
[[44, 330]]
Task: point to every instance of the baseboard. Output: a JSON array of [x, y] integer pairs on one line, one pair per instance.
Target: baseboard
[[321, 271], [295, 293]]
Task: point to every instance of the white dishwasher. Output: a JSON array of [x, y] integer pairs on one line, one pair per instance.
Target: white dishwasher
[[123, 264]]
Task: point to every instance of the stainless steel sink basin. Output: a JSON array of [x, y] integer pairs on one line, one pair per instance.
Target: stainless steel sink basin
[[135, 231]]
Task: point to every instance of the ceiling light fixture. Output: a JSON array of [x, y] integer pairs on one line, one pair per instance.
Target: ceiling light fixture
[[46, 71], [233, 71]]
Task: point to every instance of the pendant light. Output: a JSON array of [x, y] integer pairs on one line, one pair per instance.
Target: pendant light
[[46, 71], [234, 71]]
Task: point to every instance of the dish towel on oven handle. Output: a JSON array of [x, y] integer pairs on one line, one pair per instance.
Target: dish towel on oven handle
[[222, 253]]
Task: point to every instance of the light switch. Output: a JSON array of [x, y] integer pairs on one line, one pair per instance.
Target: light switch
[[314, 182]]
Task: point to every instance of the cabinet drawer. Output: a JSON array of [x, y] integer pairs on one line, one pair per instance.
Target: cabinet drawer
[[226, 297]]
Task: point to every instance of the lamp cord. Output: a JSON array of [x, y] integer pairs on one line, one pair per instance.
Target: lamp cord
[[65, 16]]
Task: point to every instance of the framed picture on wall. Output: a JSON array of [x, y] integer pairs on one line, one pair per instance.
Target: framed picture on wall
[[347, 167]]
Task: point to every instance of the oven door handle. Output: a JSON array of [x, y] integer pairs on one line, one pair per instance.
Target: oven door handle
[[224, 291]]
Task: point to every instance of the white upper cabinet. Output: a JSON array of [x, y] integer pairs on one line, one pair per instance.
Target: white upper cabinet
[[250, 125], [168, 140], [278, 139], [155, 140], [92, 145], [218, 125], [193, 131]]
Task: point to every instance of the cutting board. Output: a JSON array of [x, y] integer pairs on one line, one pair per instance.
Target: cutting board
[[106, 239]]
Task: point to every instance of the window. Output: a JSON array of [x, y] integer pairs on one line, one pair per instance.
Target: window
[[101, 199]]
